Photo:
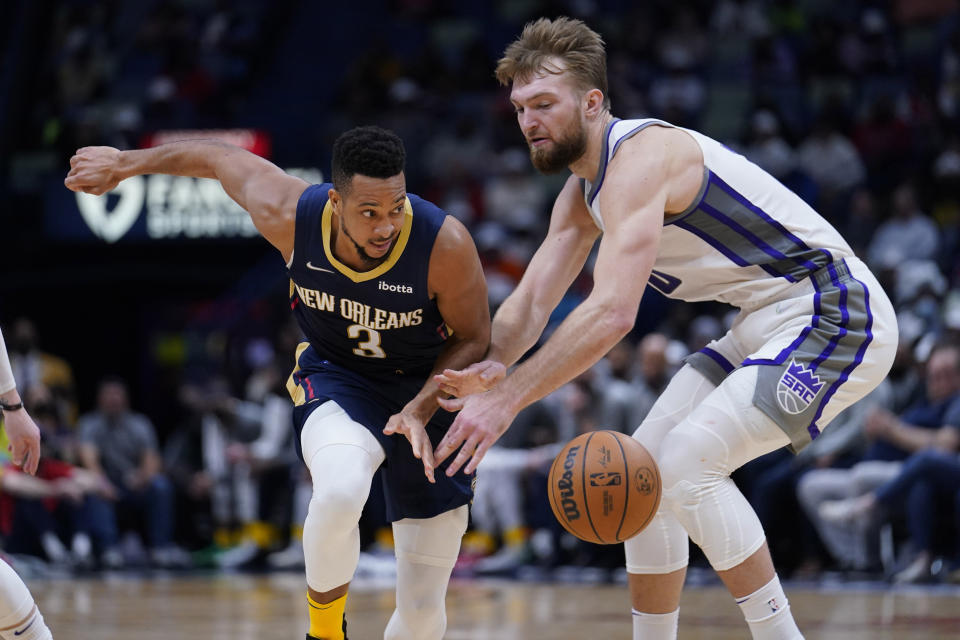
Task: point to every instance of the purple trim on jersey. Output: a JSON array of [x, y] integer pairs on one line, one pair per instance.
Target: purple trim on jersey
[[637, 130], [758, 242], [724, 249], [725, 364], [813, 429], [844, 319], [604, 159], [704, 187], [736, 195], [815, 322]]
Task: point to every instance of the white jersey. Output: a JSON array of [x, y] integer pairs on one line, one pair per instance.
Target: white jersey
[[744, 239]]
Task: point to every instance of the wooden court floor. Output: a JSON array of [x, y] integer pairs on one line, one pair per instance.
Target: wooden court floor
[[243, 607]]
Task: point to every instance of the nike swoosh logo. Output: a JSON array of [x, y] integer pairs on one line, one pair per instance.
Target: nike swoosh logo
[[24, 630], [310, 266]]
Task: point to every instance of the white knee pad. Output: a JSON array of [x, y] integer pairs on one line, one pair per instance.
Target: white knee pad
[[663, 547], [342, 457], [697, 458], [426, 553]]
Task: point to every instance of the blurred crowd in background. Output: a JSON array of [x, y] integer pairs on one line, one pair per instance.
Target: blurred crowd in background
[[189, 461]]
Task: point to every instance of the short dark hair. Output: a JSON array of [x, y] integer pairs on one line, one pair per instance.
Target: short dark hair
[[369, 151]]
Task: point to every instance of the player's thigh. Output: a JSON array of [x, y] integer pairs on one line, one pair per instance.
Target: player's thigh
[[725, 431], [688, 387], [329, 425]]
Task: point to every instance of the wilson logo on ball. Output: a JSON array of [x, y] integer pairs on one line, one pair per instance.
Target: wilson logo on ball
[[604, 487], [606, 479], [565, 484]]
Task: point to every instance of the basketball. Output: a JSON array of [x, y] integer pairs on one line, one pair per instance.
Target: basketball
[[604, 487]]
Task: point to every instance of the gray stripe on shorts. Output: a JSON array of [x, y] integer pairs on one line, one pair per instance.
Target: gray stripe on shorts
[[707, 366], [792, 398]]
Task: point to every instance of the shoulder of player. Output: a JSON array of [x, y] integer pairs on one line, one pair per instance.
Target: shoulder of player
[[314, 194], [643, 166], [453, 258], [649, 148], [452, 244]]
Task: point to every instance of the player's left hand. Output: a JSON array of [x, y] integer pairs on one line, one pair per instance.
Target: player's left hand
[[483, 418], [24, 437], [407, 423]]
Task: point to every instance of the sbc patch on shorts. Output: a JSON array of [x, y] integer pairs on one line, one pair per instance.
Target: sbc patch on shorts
[[797, 388]]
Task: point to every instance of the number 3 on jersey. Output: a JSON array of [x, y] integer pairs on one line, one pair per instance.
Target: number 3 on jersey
[[369, 348]]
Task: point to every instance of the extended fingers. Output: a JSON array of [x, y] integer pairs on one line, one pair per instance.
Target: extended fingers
[[32, 460], [449, 443], [428, 463], [478, 454], [466, 451]]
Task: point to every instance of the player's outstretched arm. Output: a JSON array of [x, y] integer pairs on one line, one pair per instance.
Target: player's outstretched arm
[[267, 193], [633, 202], [456, 280], [521, 318]]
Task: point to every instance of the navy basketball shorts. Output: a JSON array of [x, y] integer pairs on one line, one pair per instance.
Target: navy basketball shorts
[[370, 402]]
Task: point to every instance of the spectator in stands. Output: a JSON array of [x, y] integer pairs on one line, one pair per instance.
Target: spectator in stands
[[927, 488], [120, 447], [832, 161], [909, 234], [894, 438], [32, 367], [214, 488]]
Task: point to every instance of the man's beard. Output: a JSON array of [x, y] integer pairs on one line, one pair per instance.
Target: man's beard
[[366, 257], [565, 152]]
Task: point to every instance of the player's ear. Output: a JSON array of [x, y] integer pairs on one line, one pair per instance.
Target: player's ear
[[593, 103]]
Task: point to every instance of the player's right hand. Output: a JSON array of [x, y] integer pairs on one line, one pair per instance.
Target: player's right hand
[[477, 378], [415, 431], [94, 170]]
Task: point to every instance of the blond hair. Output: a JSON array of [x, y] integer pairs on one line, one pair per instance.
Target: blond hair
[[544, 42]]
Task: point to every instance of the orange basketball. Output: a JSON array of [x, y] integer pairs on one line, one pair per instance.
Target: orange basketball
[[604, 487]]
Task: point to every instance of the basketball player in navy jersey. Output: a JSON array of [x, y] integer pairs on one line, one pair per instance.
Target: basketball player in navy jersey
[[388, 290], [20, 619], [699, 222]]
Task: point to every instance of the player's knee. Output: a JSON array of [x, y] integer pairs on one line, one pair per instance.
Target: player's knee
[[688, 468], [339, 503]]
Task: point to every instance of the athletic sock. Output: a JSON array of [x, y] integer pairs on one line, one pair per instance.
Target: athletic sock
[[326, 620], [767, 612], [655, 626]]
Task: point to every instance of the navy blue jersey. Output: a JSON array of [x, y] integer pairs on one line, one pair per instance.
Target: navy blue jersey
[[378, 322], [373, 338]]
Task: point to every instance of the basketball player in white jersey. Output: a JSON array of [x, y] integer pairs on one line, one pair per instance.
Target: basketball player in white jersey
[[687, 215], [20, 619]]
